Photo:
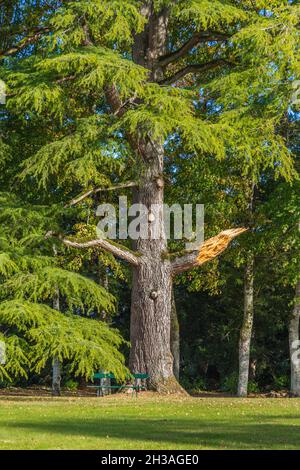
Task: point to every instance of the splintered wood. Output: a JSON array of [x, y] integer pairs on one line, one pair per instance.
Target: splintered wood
[[215, 246]]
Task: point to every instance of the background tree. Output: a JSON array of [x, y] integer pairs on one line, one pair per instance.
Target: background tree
[[230, 197], [34, 332]]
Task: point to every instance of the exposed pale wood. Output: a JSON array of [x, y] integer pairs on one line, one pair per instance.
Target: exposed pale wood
[[216, 245], [209, 250]]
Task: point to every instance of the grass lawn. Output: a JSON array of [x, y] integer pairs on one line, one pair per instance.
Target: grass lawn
[[149, 422]]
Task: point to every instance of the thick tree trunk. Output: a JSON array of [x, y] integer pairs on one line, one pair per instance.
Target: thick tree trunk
[[152, 278], [246, 330], [175, 338], [295, 345], [56, 364], [152, 284], [150, 324]]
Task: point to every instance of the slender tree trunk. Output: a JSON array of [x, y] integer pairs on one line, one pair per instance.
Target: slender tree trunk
[[56, 365], [246, 330], [175, 338], [56, 377], [294, 345], [103, 281]]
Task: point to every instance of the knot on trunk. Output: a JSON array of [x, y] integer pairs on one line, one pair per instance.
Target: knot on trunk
[[153, 295], [160, 182]]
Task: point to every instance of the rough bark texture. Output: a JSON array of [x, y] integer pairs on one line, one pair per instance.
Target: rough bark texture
[[56, 365], [152, 285], [246, 330], [294, 345], [152, 278], [175, 338]]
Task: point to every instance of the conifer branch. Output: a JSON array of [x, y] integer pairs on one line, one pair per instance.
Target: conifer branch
[[194, 68], [114, 101], [118, 109], [131, 101], [196, 39], [209, 250], [66, 79], [113, 248], [25, 42], [130, 184]]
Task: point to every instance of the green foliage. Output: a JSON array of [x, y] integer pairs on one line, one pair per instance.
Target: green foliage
[[7, 265], [110, 22], [248, 100], [281, 382], [16, 357], [71, 385], [206, 14], [230, 384], [81, 156], [93, 67], [88, 345], [78, 291], [31, 279], [193, 386]]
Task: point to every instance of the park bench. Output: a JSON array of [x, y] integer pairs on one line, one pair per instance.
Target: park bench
[[136, 387]]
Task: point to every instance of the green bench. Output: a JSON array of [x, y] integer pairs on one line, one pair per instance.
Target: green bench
[[136, 387]]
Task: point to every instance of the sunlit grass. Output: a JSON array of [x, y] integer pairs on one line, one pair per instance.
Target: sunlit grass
[[149, 422]]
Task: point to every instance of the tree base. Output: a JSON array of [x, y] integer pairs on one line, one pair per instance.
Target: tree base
[[294, 394], [168, 387]]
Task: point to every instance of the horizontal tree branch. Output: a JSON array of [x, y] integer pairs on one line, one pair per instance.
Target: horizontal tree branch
[[65, 79], [115, 249], [24, 42], [130, 184], [194, 68], [18, 30], [197, 38], [209, 250]]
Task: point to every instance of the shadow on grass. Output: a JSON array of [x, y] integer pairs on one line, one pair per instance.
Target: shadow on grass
[[255, 432]]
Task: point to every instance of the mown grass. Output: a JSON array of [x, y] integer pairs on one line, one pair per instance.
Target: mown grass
[[149, 422]]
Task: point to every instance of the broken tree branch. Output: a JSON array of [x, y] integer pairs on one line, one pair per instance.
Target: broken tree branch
[[209, 250]]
